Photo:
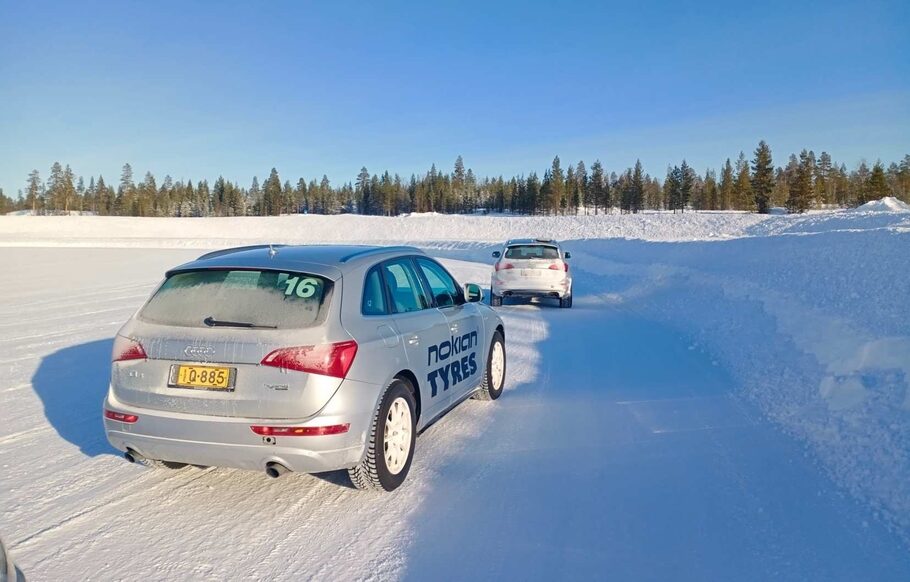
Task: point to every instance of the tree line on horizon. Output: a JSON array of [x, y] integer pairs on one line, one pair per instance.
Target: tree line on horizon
[[756, 185]]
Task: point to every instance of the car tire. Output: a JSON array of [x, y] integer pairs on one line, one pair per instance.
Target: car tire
[[495, 300], [565, 301], [494, 375], [382, 468], [173, 465]]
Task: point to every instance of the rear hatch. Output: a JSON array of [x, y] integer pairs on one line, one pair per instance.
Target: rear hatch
[[239, 343], [531, 264]]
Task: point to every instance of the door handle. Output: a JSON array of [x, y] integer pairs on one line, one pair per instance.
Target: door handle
[[414, 340]]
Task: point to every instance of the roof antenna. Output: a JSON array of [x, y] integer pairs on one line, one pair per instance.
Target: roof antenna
[[272, 251]]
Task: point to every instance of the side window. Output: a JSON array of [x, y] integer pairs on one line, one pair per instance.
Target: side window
[[373, 294], [445, 290], [404, 286]]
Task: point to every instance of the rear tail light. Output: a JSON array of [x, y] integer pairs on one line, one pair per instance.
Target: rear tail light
[[326, 359], [127, 349], [120, 417], [500, 266], [560, 267], [301, 430]]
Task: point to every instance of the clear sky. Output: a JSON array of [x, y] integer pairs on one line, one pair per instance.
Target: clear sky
[[198, 89]]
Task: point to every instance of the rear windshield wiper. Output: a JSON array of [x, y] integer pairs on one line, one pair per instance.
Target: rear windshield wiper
[[212, 322]]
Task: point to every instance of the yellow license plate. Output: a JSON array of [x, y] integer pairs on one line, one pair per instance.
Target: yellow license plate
[[210, 377]]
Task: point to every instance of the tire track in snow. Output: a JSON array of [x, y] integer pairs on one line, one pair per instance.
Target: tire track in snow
[[112, 500], [70, 316], [93, 292]]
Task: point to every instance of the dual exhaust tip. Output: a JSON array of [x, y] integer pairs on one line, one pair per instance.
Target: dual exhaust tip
[[273, 469], [133, 457]]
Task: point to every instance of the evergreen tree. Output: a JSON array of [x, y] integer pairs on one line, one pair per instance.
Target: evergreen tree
[[556, 187], [742, 188], [33, 191], [878, 185], [762, 177], [271, 195], [824, 182], [711, 192], [686, 184], [254, 197], [673, 188], [302, 196], [105, 197], [581, 187], [80, 193], [55, 187], [571, 187], [597, 185], [858, 185], [637, 188], [362, 188], [801, 185], [123, 204], [91, 200], [458, 184], [533, 186], [726, 186]]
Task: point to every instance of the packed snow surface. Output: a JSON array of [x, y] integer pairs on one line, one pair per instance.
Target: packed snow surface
[[727, 399]]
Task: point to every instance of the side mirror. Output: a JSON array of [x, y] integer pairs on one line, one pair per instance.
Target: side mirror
[[496, 254], [473, 293], [568, 255]]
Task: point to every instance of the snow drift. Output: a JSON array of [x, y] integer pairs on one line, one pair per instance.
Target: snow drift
[[886, 204]]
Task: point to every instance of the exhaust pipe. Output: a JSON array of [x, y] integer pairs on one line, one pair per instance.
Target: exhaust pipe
[[133, 457], [275, 470]]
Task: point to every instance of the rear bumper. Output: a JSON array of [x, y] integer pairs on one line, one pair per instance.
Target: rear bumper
[[524, 289], [230, 442]]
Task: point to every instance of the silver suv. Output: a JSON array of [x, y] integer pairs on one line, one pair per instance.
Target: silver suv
[[300, 358]]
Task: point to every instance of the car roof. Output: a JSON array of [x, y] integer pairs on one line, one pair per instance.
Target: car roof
[[532, 241], [329, 261]]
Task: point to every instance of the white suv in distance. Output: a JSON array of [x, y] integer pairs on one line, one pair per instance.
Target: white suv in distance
[[531, 268]]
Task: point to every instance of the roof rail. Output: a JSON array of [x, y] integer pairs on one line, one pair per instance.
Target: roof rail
[[377, 250], [222, 252]]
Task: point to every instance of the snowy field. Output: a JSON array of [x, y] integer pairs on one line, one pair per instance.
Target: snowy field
[[729, 398]]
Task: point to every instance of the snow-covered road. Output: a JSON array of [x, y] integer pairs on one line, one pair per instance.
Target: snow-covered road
[[629, 445]]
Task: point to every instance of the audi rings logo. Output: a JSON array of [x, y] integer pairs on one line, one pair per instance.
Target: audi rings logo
[[200, 352]]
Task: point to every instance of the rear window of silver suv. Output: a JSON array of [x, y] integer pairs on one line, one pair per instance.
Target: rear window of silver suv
[[239, 298]]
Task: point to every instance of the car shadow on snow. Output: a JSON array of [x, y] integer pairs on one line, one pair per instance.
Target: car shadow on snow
[[71, 384]]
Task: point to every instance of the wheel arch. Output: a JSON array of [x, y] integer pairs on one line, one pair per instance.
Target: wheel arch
[[411, 379]]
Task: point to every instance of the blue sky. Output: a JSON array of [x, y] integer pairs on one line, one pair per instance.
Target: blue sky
[[198, 89]]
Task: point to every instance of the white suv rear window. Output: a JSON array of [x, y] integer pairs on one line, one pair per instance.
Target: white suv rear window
[[239, 298], [520, 252]]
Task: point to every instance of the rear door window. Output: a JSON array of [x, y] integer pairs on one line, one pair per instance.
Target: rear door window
[[239, 298], [404, 286], [527, 252], [373, 294]]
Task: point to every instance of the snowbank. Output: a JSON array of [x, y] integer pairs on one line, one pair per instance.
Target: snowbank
[[220, 232], [215, 232], [814, 329], [886, 204]]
